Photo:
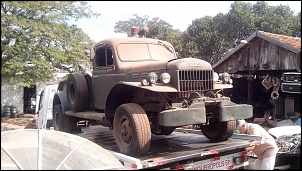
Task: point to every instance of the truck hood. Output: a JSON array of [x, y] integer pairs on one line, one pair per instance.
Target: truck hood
[[147, 66], [188, 64], [172, 65]]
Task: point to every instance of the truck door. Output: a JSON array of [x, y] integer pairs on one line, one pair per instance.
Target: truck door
[[104, 75]]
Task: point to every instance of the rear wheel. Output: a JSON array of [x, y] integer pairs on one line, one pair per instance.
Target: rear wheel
[[218, 131], [132, 130], [63, 122], [77, 92]]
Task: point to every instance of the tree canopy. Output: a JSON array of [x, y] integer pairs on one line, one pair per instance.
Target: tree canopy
[[36, 39], [211, 37]]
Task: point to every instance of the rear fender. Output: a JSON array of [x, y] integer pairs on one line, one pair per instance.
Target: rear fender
[[61, 98]]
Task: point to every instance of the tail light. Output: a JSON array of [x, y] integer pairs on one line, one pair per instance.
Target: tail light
[[237, 160], [241, 159]]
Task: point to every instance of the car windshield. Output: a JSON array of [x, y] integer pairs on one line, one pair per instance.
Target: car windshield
[[133, 52]]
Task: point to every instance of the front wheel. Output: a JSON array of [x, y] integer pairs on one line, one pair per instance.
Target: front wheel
[[132, 129], [218, 131]]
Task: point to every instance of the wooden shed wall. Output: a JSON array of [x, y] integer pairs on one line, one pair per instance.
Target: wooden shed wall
[[258, 54]]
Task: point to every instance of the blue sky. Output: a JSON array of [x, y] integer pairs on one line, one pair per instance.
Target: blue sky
[[179, 14]]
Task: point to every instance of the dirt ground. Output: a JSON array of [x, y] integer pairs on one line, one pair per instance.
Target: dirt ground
[[25, 122]]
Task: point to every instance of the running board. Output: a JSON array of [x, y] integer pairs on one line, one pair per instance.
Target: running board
[[87, 115]]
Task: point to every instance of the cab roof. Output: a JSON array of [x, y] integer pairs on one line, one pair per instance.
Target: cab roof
[[115, 41]]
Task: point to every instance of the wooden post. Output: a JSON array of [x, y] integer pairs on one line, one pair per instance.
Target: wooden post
[[249, 88]]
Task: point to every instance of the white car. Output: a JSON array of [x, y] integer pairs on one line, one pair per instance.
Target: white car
[[44, 113]]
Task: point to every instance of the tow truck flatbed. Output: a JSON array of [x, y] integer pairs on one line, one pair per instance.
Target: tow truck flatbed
[[183, 146]]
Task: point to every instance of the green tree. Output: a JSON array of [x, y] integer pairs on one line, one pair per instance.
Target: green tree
[[205, 38], [296, 27], [125, 26], [164, 31], [36, 39], [240, 22], [274, 19]]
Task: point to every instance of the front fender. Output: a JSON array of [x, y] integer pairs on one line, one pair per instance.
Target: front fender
[[60, 97], [154, 87], [122, 92]]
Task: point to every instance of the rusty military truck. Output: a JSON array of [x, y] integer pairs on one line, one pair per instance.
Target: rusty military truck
[[139, 87]]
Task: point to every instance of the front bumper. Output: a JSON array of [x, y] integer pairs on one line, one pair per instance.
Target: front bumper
[[231, 111], [180, 117], [196, 113]]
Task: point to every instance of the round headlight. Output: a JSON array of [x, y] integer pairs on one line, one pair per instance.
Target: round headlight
[[152, 77], [215, 77], [144, 82], [165, 78], [226, 77]]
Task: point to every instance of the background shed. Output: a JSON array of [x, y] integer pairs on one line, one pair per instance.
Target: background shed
[[264, 55]]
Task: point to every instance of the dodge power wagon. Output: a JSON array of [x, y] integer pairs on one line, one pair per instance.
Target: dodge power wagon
[[139, 87]]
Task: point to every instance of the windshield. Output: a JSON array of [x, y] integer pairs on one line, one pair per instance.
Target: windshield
[[145, 52]]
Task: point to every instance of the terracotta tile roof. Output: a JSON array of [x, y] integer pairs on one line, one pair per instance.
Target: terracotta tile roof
[[292, 41]]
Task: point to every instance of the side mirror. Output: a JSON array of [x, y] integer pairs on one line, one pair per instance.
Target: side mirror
[[87, 53], [177, 54]]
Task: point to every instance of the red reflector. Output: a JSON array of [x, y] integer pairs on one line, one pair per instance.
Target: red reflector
[[134, 166], [230, 167], [215, 158], [180, 167], [161, 163], [213, 152], [243, 153]]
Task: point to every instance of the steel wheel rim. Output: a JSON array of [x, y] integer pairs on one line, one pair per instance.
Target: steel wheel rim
[[125, 131]]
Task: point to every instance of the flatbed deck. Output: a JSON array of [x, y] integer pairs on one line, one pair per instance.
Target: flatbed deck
[[180, 145]]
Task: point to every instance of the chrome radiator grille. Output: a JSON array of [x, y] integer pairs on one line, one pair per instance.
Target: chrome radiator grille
[[195, 81], [292, 77], [291, 87]]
